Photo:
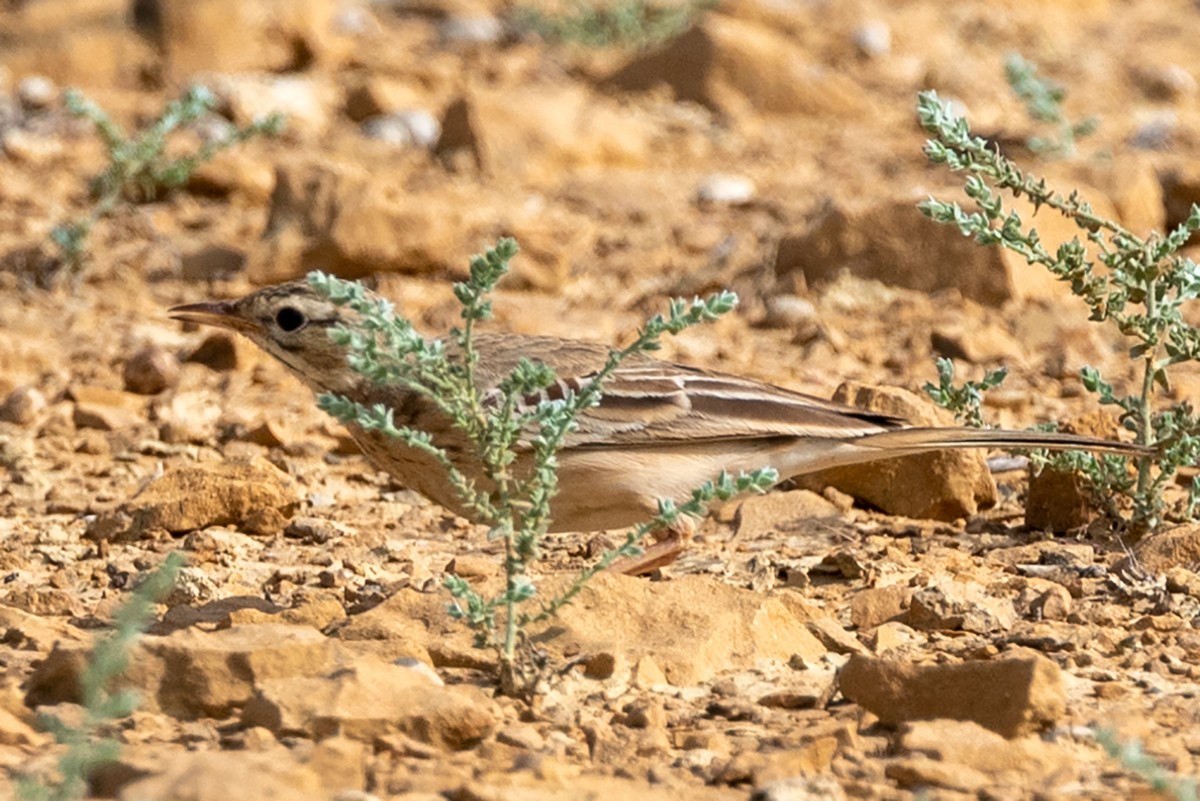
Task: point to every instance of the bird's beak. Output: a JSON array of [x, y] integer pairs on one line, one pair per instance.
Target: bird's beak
[[220, 313]]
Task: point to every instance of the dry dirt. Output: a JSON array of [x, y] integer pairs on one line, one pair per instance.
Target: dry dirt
[[773, 149]]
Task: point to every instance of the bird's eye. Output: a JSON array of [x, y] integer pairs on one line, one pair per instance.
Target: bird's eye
[[290, 319]]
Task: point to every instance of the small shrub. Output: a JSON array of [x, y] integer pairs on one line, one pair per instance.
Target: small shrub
[[621, 23], [1139, 285], [1043, 101], [139, 169], [966, 400], [88, 745]]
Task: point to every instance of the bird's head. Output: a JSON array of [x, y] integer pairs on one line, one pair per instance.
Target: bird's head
[[289, 321]]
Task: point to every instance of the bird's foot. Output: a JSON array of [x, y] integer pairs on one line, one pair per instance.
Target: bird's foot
[[669, 543]]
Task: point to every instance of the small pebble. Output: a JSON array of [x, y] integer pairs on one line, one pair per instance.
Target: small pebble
[[471, 30], [22, 406], [412, 127], [150, 371], [732, 190], [789, 311], [36, 92], [1155, 133], [29, 147], [416, 665], [873, 38]]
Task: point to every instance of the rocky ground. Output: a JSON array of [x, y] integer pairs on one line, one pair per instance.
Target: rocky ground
[[896, 632]]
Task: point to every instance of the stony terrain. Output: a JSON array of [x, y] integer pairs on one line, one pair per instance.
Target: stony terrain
[[896, 632]]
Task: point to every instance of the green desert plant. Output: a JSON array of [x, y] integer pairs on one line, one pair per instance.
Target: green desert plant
[[621, 23], [965, 401], [1137, 284], [1043, 101], [139, 168], [1136, 761], [500, 424], [87, 745]]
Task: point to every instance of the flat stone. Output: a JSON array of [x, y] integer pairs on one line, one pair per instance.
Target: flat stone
[[1008, 696], [940, 485], [253, 494], [369, 700], [221, 775]]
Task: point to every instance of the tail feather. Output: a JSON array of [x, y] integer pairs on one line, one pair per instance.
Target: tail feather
[[918, 440]]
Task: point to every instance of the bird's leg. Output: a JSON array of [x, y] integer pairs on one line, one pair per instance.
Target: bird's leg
[[669, 543]]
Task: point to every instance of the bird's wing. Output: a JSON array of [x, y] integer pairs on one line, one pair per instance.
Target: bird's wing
[[647, 402]]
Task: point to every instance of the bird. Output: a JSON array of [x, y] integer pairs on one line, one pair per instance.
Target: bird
[[659, 431]]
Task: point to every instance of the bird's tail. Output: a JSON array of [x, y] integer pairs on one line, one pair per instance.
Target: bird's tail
[[918, 440]]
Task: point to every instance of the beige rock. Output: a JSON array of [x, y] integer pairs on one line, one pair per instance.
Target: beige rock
[[1172, 547], [219, 351], [23, 631], [214, 262], [890, 636], [875, 605], [251, 493], [741, 69], [373, 699], [344, 219], [559, 127], [22, 406], [525, 786], [17, 732], [106, 409], [986, 344], [1008, 696], [775, 513], [306, 103], [923, 772], [150, 370], [943, 485], [1061, 500], [1016, 761], [101, 52], [960, 606], [341, 763], [236, 171], [700, 627], [232, 36], [221, 775], [374, 95], [191, 673], [875, 239], [834, 637], [1052, 604]]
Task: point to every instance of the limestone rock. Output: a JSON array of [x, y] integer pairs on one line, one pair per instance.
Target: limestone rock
[[150, 370], [1172, 547], [741, 68], [875, 239], [960, 606], [558, 127], [252, 493], [1008, 696], [343, 218], [941, 485], [369, 700], [1013, 762], [191, 673], [221, 775], [232, 36], [1061, 500], [700, 627], [106, 409], [876, 605]]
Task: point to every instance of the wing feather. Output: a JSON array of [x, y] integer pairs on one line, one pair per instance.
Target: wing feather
[[649, 402]]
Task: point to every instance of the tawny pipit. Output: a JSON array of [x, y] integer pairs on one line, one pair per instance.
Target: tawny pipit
[[660, 430]]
